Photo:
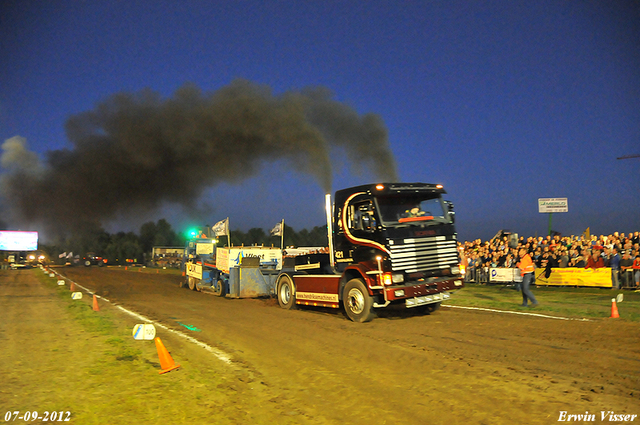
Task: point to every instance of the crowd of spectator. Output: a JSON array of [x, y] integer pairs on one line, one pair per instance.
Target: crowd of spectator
[[619, 251]]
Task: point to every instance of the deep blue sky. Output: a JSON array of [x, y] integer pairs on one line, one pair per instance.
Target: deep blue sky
[[503, 102]]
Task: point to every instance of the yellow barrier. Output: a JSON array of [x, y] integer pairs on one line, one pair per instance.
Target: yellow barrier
[[572, 276]]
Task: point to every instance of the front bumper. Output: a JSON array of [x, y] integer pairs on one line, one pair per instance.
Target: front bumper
[[427, 299], [422, 291]]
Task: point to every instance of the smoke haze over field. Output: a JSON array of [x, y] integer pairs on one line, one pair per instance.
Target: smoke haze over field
[[136, 151]]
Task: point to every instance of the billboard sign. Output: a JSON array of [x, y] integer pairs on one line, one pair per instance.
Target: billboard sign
[[18, 241], [553, 205], [504, 275], [226, 258]]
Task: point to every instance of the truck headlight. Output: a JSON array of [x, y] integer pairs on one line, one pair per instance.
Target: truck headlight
[[397, 277], [455, 270]]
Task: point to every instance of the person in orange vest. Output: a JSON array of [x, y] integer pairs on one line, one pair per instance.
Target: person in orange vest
[[526, 271]]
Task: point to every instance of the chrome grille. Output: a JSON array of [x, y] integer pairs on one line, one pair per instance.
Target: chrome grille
[[423, 254]]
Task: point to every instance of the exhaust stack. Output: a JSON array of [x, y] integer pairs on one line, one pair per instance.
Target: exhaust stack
[[329, 212]]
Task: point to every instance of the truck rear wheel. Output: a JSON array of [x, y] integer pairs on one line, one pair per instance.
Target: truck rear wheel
[[221, 292], [286, 292], [357, 302]]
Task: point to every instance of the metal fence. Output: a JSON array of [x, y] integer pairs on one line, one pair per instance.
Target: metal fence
[[480, 275], [626, 279]]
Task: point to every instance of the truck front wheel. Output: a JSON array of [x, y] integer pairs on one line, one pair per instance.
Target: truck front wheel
[[358, 304], [286, 292]]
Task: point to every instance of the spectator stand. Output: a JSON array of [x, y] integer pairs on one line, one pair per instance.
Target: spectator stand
[[560, 261]]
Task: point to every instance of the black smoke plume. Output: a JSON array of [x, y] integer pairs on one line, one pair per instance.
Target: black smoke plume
[[137, 151]]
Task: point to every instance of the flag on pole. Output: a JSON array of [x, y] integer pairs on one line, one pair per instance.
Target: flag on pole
[[221, 228], [277, 230]]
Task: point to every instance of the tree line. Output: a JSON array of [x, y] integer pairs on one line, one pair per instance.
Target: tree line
[[126, 247]]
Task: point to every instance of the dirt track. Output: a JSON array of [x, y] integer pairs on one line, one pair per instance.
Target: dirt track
[[453, 366]]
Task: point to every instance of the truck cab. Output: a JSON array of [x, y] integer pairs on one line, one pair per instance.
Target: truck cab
[[403, 223]]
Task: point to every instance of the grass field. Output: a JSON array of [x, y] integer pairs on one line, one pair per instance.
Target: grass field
[[589, 303]]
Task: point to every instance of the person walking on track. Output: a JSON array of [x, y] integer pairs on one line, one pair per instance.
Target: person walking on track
[[526, 270]]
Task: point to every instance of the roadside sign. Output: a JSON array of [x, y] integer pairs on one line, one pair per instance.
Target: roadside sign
[[504, 275], [144, 332], [194, 270], [76, 295], [60, 282], [204, 248], [553, 205]]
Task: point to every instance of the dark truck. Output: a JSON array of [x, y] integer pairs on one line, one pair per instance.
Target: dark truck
[[91, 259], [389, 244]]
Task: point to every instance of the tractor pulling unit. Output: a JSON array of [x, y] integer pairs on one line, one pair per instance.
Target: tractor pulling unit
[[235, 272], [389, 244]]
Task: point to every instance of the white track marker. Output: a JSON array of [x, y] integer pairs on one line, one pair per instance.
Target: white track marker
[[546, 316]]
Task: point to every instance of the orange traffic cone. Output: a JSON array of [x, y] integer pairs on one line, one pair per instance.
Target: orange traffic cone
[[72, 287], [166, 362], [95, 303], [614, 309]]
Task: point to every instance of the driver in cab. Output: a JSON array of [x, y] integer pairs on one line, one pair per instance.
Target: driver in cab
[[414, 212]]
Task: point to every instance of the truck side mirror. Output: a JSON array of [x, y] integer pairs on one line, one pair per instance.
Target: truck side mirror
[[364, 219], [368, 222], [452, 213]]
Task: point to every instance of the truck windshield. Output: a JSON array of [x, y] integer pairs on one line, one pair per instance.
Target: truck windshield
[[423, 209]]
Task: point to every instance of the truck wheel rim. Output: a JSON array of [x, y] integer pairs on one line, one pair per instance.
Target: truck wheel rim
[[285, 293], [356, 301]]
